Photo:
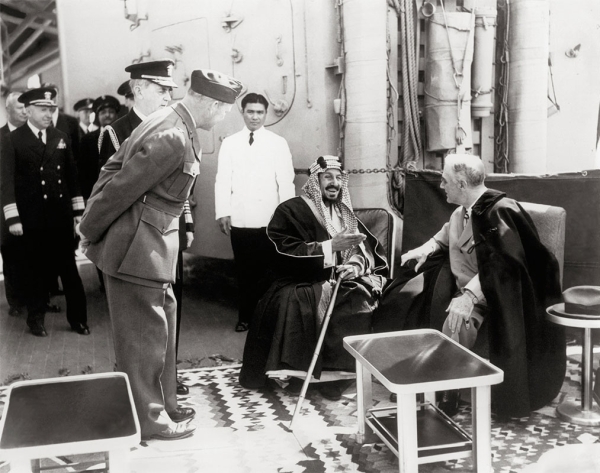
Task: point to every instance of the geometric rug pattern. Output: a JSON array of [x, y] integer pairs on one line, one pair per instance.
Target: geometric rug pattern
[[242, 430]]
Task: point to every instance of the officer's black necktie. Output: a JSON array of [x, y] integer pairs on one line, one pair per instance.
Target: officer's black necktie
[[40, 137], [251, 140], [466, 218]]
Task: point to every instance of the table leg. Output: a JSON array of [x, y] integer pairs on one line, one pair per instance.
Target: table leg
[[587, 371], [364, 398], [408, 459], [481, 403], [586, 413], [21, 465], [118, 461]]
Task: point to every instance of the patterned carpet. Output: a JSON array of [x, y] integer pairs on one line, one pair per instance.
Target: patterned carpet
[[242, 430]]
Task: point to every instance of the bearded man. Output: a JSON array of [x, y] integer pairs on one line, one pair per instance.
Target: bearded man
[[316, 237]]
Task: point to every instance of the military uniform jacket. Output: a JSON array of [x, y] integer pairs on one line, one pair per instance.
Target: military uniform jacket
[[116, 133], [132, 216], [113, 137], [70, 125], [5, 236], [88, 163], [39, 182]]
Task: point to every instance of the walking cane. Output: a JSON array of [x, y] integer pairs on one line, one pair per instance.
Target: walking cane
[[313, 362]]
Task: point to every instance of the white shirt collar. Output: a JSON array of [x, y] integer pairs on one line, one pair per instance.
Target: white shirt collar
[[36, 131], [138, 113], [11, 127], [189, 111], [470, 208], [255, 132]]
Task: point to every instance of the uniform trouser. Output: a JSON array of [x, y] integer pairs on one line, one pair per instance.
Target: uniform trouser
[[143, 325], [178, 291], [253, 253], [53, 248], [13, 265]]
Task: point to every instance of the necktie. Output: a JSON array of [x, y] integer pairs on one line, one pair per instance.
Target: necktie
[[40, 134], [466, 219], [251, 140]]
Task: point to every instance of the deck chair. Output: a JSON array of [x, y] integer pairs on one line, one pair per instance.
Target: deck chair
[[382, 225], [550, 222]]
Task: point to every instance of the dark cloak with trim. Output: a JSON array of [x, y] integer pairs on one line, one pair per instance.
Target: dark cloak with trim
[[519, 278], [284, 329]]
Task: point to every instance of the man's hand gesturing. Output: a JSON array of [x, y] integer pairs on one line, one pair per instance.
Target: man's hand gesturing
[[345, 240]]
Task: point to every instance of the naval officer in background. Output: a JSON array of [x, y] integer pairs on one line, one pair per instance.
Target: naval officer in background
[[42, 203], [11, 247], [151, 84]]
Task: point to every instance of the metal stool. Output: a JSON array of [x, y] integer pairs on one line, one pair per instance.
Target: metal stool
[[584, 413]]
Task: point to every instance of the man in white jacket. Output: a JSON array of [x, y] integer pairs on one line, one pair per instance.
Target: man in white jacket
[[255, 174]]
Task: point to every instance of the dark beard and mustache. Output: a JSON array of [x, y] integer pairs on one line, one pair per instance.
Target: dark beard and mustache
[[327, 200]]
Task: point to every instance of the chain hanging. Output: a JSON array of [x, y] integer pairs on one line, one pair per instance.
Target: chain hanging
[[502, 162]]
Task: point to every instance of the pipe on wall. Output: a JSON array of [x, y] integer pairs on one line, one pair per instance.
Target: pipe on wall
[[528, 85], [448, 81], [365, 37], [483, 61]]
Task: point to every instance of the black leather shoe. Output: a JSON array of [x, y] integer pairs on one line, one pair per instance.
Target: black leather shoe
[[81, 329], [53, 308], [182, 414], [182, 389], [294, 386], [330, 391], [242, 326], [448, 401], [38, 329]]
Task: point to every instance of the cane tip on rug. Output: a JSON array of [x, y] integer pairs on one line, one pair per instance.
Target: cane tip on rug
[[582, 458]]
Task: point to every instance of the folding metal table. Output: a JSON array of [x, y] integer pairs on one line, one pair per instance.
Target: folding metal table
[[68, 416], [423, 361]]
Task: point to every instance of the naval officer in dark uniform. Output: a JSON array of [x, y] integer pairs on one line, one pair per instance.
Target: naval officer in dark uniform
[[106, 108], [42, 203], [11, 247], [83, 108], [125, 90], [151, 84]]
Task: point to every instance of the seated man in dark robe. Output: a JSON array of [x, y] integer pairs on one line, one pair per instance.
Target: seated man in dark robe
[[317, 238], [485, 279]]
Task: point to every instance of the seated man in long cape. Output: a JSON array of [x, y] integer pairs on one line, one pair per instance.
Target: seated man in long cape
[[316, 236], [485, 279]]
